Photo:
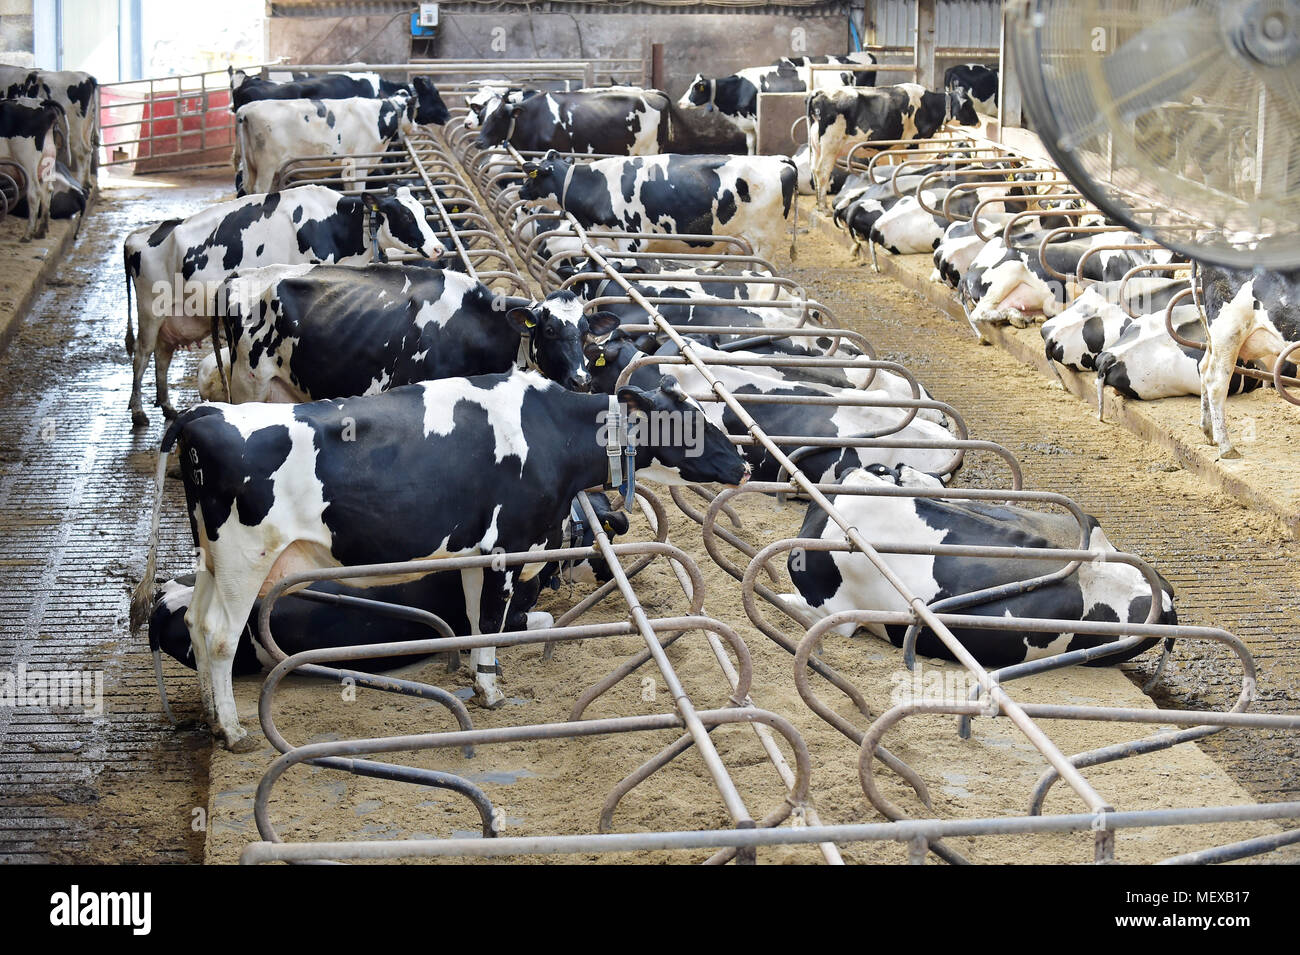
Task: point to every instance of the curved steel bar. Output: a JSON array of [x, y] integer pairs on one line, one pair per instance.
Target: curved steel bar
[[902, 832], [743, 712], [1279, 380], [1053, 234], [1167, 267], [1236, 850]]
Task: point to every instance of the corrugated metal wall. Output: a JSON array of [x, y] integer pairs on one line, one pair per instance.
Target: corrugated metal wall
[[960, 23]]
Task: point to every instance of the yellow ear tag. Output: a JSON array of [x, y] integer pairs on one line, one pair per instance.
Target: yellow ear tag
[[533, 174], [600, 361], [529, 323], [608, 529]]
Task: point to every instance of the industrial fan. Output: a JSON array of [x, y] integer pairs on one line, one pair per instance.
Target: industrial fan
[[1178, 118]]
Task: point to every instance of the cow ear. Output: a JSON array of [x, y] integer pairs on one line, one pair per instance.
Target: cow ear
[[601, 324], [551, 155], [370, 201], [614, 522], [637, 399], [522, 319], [594, 352]]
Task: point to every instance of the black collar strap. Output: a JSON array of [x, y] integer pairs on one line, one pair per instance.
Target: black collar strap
[[377, 253]]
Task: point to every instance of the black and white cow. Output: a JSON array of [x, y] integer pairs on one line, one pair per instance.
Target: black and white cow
[[74, 91], [177, 266], [830, 582], [1095, 320], [299, 624], [1253, 316], [271, 131], [979, 81], [608, 360], [736, 96], [747, 196], [1144, 362], [29, 133], [459, 466], [619, 120], [429, 110], [840, 118], [305, 332], [1011, 284]]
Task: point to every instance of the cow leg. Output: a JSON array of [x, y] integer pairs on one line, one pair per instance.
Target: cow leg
[[162, 362], [485, 604], [146, 340], [1227, 333], [204, 585], [216, 617]]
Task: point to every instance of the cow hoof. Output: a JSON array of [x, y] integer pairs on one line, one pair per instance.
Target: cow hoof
[[169, 412], [492, 699], [1229, 453], [139, 419], [244, 744]]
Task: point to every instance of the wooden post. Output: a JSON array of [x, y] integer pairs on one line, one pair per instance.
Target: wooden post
[[1008, 81], [926, 40], [657, 78]]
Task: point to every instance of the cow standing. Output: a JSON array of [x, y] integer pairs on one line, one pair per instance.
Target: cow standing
[[736, 96], [746, 196], [838, 119], [177, 266], [442, 468], [301, 332], [28, 137], [74, 92], [1253, 316]]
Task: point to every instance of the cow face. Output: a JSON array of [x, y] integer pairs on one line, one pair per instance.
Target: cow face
[[961, 109], [606, 361], [699, 93], [430, 110], [402, 223], [545, 179], [498, 121], [676, 444], [559, 331]]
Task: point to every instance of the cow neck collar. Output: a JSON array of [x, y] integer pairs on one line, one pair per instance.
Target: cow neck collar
[[713, 92], [564, 189], [620, 450], [527, 356], [372, 227]]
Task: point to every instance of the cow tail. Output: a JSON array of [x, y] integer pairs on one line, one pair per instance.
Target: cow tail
[[142, 596], [216, 353], [793, 178], [130, 330]]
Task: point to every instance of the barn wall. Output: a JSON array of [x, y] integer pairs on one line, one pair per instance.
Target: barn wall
[[697, 39], [16, 23], [700, 43]]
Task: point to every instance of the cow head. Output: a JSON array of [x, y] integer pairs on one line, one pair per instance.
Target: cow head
[[606, 360], [960, 108], [498, 118], [430, 110], [558, 332], [402, 223], [699, 93], [545, 179], [676, 443]]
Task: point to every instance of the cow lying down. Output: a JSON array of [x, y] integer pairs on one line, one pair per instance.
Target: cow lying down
[[830, 582], [608, 360], [299, 624]]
